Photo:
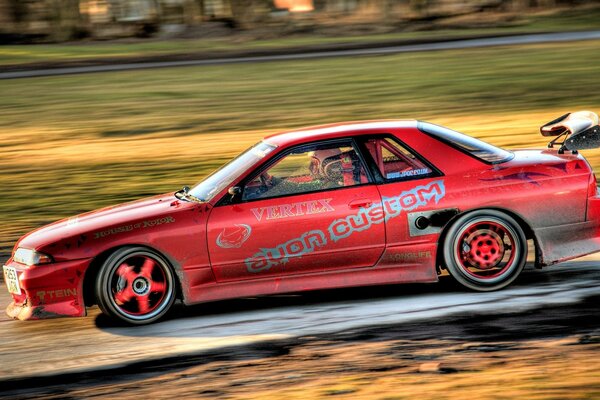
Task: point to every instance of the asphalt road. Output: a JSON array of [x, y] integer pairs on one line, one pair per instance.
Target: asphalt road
[[53, 348], [457, 44]]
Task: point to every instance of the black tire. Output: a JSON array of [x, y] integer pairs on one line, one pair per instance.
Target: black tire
[[136, 285], [476, 246]]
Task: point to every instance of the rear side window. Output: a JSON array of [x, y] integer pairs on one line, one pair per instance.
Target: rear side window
[[394, 161], [467, 144]]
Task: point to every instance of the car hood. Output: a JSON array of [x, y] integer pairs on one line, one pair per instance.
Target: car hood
[[105, 218]]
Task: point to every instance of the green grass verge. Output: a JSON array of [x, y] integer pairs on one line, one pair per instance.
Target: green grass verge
[[19, 54], [46, 122], [190, 100]]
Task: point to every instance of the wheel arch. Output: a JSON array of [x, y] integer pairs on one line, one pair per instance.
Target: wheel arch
[[529, 233], [92, 271]]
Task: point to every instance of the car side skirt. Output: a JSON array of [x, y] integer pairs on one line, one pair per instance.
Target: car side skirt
[[399, 273]]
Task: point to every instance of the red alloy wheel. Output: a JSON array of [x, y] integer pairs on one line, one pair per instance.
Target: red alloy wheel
[[136, 285], [139, 285], [486, 249]]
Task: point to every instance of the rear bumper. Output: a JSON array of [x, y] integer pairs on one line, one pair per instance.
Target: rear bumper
[[49, 291], [565, 242]]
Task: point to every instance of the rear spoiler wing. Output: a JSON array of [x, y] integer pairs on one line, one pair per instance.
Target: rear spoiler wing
[[579, 131]]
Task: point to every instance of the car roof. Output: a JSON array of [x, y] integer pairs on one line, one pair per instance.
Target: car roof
[[332, 131]]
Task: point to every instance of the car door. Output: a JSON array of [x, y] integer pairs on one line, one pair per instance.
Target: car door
[[304, 212]]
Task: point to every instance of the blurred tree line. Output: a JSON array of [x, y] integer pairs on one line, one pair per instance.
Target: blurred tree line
[[61, 20]]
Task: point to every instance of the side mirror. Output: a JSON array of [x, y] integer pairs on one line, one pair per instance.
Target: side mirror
[[235, 191]]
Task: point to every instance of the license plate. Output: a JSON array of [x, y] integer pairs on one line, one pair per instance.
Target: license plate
[[12, 280]]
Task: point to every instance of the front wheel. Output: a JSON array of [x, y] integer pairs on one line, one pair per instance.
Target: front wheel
[[485, 250], [135, 285]]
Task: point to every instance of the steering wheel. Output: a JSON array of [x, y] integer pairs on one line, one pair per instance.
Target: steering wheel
[[332, 168]]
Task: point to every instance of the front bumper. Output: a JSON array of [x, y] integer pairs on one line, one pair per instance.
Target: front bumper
[[49, 291]]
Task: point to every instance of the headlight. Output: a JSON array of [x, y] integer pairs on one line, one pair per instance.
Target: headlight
[[31, 257]]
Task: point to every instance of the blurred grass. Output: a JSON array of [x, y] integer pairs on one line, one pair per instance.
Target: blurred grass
[[557, 21], [74, 143]]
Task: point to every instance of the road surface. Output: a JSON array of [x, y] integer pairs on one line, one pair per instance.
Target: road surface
[[37, 352], [457, 44]]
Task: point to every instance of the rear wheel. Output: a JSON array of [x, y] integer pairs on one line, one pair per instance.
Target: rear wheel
[[136, 285], [485, 250]]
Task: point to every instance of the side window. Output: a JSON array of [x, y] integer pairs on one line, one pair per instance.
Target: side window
[[394, 161], [307, 169]]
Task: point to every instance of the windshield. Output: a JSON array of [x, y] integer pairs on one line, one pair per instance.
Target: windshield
[[224, 176], [481, 150]]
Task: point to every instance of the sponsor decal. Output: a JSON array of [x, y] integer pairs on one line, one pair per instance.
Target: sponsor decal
[[293, 209], [131, 227], [158, 221], [306, 243], [364, 219], [403, 258], [234, 237], [53, 294], [412, 172]]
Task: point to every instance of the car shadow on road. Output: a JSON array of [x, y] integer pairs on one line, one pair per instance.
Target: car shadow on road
[[338, 298], [279, 301]]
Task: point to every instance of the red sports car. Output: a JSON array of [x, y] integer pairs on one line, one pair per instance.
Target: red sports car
[[334, 206]]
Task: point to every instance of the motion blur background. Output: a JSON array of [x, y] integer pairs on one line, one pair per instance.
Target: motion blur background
[[60, 20]]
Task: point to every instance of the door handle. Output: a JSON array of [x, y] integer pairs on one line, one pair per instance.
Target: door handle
[[360, 203]]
